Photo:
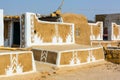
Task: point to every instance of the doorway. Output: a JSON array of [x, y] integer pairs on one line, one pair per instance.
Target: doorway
[[16, 34]]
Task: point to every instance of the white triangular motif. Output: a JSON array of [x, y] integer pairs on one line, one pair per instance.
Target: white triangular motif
[[44, 55], [75, 59], [14, 67]]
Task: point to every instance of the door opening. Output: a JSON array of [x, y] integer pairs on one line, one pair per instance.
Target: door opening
[[16, 34]]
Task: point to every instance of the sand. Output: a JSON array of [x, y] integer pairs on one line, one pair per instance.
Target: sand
[[95, 71]]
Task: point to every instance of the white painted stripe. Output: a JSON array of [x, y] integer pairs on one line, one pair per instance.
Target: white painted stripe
[[68, 65], [83, 49], [14, 52], [15, 74], [82, 63]]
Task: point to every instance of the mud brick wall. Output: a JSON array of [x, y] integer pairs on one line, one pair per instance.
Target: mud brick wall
[[15, 61], [105, 43], [75, 56], [116, 30], [98, 53], [96, 31], [82, 29], [47, 31]]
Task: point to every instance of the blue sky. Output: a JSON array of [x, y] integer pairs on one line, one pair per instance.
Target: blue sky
[[86, 7]]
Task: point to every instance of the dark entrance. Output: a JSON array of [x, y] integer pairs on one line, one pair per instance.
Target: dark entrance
[[105, 35], [16, 34]]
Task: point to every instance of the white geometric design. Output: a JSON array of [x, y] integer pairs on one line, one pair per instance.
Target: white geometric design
[[37, 39], [74, 59], [56, 39], [91, 57], [100, 35], [69, 39], [44, 55], [14, 67], [92, 37], [60, 40]]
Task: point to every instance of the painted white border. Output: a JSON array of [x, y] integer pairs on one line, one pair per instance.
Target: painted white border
[[1, 28], [81, 64], [20, 52], [58, 59]]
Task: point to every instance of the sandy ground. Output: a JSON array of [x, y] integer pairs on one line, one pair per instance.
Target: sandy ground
[[95, 71]]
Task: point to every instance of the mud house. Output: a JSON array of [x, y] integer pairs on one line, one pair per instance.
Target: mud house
[[111, 30], [60, 41], [64, 43], [107, 20], [13, 61]]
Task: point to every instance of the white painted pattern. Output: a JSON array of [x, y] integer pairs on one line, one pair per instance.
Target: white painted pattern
[[113, 37], [75, 59], [68, 39], [14, 66], [56, 39], [100, 35], [18, 69], [38, 39], [44, 54], [91, 57]]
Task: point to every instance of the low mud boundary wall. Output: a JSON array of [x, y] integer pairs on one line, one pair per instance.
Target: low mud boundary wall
[[16, 62], [70, 57]]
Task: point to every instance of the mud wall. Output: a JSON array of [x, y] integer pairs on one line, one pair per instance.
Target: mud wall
[[39, 32], [82, 29], [115, 32], [69, 58], [96, 31], [105, 43], [16, 62], [79, 57], [52, 33], [45, 56]]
